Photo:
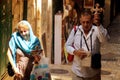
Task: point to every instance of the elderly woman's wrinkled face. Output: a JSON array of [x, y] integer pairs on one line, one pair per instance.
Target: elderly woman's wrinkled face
[[24, 31]]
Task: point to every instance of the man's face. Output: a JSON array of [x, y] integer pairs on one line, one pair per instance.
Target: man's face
[[24, 33], [86, 22]]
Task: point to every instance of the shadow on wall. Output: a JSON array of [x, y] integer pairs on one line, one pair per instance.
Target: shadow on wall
[[44, 43]]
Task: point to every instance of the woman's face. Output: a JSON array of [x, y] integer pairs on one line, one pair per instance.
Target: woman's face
[[24, 33]]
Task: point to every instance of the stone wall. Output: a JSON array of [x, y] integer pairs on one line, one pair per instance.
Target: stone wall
[[17, 10]]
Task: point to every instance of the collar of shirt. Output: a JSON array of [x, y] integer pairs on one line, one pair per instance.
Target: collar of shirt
[[90, 32]]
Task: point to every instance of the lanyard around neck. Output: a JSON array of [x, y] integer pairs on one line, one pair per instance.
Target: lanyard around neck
[[86, 40]]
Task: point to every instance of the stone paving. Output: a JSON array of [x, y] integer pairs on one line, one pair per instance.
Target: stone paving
[[111, 53]]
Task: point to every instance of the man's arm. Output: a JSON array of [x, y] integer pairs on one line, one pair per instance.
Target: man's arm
[[69, 44], [70, 48], [102, 34]]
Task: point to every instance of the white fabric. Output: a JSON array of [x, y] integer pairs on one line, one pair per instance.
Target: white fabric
[[99, 35]]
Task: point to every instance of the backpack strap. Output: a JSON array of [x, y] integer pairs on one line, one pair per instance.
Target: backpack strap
[[75, 29]]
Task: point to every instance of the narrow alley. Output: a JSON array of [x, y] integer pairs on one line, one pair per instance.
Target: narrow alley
[[110, 54], [42, 16]]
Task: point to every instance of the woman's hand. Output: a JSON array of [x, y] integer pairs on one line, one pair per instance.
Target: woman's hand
[[36, 58], [37, 51], [17, 72]]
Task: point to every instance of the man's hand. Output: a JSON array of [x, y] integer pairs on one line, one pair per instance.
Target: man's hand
[[81, 53]]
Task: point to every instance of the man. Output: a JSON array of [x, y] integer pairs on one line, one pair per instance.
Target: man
[[23, 43], [86, 41]]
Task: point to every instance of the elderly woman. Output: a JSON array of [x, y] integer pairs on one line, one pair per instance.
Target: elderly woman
[[21, 46]]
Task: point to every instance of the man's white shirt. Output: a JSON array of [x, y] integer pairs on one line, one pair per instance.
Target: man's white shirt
[[95, 37]]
